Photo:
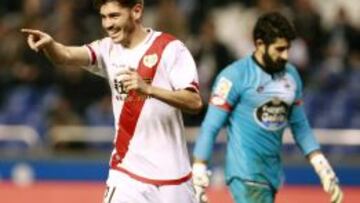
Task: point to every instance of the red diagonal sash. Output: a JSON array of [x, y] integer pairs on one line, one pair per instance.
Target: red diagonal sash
[[134, 103]]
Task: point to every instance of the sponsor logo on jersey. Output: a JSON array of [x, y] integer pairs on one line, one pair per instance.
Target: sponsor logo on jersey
[[221, 91], [272, 115], [123, 95], [150, 60], [119, 87]]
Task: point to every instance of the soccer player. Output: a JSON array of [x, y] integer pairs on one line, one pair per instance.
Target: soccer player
[[257, 97], [152, 77]]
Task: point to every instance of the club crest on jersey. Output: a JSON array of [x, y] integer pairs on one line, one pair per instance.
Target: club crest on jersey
[[150, 60], [272, 115], [221, 91]]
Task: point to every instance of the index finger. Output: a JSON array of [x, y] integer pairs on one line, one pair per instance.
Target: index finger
[[123, 72], [30, 31]]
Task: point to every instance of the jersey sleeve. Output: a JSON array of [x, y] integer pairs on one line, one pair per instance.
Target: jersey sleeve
[[226, 91], [224, 95], [299, 123], [95, 63], [181, 67], [214, 120]]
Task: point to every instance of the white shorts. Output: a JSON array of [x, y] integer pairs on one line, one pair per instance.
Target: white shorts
[[128, 190]]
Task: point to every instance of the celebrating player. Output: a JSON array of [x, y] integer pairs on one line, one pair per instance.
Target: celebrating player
[[152, 77], [258, 97]]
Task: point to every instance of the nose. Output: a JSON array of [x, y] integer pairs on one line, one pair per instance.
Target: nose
[[107, 23], [285, 54]]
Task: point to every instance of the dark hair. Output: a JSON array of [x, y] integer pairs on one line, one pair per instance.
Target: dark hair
[[124, 3], [271, 26]]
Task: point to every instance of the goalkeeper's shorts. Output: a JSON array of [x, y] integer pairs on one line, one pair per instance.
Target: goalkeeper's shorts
[[247, 191]]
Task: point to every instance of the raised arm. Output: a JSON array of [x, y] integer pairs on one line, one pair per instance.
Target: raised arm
[[58, 53]]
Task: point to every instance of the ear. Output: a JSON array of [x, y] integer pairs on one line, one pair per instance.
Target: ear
[[137, 11], [260, 45]]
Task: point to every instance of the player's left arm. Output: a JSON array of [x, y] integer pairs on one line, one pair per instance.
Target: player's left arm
[[179, 64], [187, 99], [306, 141], [183, 77], [327, 176]]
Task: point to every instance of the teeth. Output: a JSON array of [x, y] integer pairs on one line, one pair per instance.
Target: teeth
[[114, 32]]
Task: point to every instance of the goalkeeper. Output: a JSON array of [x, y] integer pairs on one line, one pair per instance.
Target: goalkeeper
[[257, 97]]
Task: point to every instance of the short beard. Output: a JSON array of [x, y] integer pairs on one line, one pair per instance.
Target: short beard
[[128, 31], [272, 66]]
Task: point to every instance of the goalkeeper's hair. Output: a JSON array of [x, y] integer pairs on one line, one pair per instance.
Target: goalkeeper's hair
[[271, 26], [124, 3]]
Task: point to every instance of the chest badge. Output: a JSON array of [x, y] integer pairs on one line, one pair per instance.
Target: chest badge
[[150, 60]]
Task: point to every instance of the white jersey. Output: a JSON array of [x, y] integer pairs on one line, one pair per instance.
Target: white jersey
[[149, 143]]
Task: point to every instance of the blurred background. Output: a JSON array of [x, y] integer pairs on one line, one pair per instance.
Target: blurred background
[[56, 122]]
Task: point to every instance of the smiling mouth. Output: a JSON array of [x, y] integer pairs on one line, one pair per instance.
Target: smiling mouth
[[114, 33]]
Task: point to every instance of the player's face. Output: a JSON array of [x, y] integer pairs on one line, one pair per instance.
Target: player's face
[[276, 54], [119, 22]]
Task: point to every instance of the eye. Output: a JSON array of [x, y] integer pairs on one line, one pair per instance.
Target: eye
[[114, 15], [281, 49]]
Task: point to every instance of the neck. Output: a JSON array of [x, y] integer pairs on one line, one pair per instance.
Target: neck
[[137, 37], [259, 58]]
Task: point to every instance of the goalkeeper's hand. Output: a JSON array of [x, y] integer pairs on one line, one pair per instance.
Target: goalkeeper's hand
[[327, 176], [200, 179]]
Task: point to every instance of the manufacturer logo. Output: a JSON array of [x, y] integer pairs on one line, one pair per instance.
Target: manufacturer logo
[[260, 89]]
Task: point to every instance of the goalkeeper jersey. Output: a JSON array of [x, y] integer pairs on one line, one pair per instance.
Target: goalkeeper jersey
[[256, 107]]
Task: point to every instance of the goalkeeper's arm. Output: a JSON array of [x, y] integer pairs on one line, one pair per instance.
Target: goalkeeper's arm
[[327, 176], [200, 179], [214, 120]]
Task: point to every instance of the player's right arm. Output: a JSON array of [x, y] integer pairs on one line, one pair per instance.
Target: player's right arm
[[58, 53], [223, 97], [212, 124]]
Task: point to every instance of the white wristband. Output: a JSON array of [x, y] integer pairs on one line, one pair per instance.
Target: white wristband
[[199, 168], [319, 162]]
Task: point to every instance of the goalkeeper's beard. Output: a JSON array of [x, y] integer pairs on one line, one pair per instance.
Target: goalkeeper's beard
[[272, 66]]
